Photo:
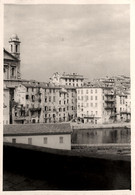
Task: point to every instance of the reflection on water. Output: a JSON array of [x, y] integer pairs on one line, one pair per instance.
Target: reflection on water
[[98, 136]]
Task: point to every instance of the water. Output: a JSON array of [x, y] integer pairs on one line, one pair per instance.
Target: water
[[99, 136]]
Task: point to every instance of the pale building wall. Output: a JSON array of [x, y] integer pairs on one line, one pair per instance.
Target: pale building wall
[[89, 103], [53, 141], [20, 95], [6, 106], [123, 104]]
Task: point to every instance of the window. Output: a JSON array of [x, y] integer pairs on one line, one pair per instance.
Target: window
[[30, 141], [96, 112], [45, 140], [11, 48], [95, 90], [81, 91], [45, 99], [53, 98], [12, 71], [91, 97], [87, 91], [16, 48], [33, 97], [91, 104], [87, 98], [91, 91], [13, 140], [59, 102], [95, 104], [95, 97], [49, 98], [60, 140], [27, 97]]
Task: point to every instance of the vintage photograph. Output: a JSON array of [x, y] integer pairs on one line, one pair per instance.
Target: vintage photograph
[[66, 97]]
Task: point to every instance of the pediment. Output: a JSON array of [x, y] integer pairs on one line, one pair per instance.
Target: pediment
[[8, 56]]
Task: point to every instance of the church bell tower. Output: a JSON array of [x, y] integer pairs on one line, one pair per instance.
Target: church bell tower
[[14, 44]]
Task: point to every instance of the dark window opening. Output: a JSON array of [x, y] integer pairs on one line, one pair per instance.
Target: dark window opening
[[13, 140]]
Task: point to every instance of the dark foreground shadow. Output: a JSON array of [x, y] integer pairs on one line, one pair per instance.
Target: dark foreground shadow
[[28, 169]]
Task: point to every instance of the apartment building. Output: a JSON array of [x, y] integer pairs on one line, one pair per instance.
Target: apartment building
[[123, 106], [74, 79], [43, 103], [95, 105], [27, 104]]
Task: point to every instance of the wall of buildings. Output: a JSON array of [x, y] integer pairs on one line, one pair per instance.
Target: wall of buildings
[[62, 141]]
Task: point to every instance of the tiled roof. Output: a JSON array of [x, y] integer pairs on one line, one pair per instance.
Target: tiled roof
[[72, 76], [37, 129], [31, 85]]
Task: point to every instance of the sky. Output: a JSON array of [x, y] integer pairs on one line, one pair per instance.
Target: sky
[[92, 40]]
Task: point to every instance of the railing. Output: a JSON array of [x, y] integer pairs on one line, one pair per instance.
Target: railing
[[109, 100], [109, 107]]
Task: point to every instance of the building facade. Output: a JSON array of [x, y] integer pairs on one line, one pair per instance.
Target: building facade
[[74, 79], [11, 76], [123, 106], [36, 103], [95, 105], [56, 136]]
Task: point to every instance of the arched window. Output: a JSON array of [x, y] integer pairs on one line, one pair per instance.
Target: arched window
[[12, 71], [16, 48], [11, 48]]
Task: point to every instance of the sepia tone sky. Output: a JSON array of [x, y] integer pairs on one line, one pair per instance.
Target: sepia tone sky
[[92, 40]]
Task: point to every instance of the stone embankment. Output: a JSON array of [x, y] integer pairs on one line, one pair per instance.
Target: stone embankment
[[99, 126], [116, 149]]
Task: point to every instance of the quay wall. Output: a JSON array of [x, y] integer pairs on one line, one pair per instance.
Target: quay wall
[[103, 126]]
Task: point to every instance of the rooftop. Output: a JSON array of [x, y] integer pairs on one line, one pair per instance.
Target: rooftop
[[37, 129], [73, 76]]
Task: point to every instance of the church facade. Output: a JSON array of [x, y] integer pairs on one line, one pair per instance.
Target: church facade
[[11, 76]]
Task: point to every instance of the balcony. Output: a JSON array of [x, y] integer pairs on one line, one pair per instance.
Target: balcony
[[125, 112], [92, 116], [109, 100], [109, 94], [35, 109], [109, 107], [12, 77]]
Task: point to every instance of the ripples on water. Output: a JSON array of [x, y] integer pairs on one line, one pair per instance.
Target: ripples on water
[[98, 136]]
